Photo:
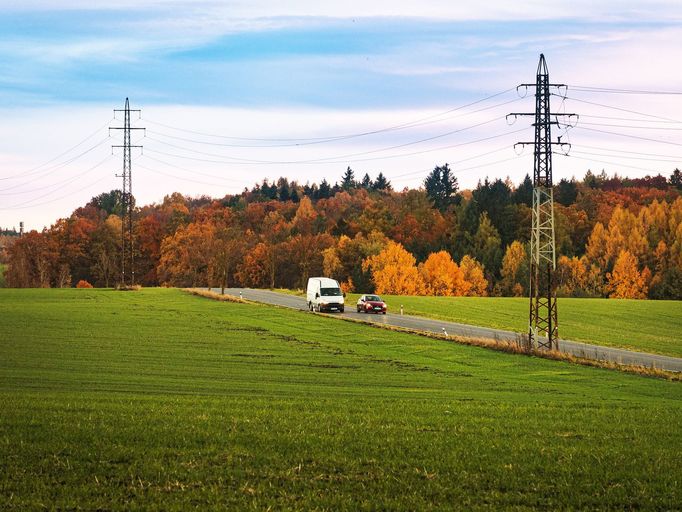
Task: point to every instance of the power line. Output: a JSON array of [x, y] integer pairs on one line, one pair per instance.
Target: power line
[[674, 159], [31, 171], [608, 163], [343, 136], [598, 148], [26, 204], [628, 135], [56, 166], [630, 126], [325, 159], [615, 108], [440, 148], [629, 119], [609, 90], [191, 170], [308, 142]]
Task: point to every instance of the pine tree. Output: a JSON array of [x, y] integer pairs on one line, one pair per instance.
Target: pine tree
[[348, 180], [441, 187], [524, 192], [324, 192], [381, 183], [366, 182]]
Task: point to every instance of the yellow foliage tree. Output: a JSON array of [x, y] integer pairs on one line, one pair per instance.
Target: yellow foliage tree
[[625, 233], [331, 264], [514, 269], [394, 272], [305, 216], [476, 283], [595, 250], [626, 282], [442, 276]]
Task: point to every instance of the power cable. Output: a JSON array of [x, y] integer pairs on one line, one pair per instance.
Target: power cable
[[609, 90], [191, 170], [31, 171], [324, 159], [615, 108], [344, 136], [56, 166], [305, 142], [607, 162], [451, 146], [629, 136], [26, 204]]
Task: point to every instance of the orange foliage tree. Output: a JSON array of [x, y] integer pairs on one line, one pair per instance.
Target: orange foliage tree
[[626, 282], [394, 271], [474, 276], [186, 255], [442, 276]]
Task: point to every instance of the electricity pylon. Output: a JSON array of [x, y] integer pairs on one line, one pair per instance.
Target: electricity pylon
[[127, 255], [543, 318]]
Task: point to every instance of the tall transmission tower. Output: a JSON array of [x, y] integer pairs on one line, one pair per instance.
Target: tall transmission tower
[[127, 254], [543, 318]]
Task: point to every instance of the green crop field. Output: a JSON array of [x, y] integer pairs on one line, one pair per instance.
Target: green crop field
[[645, 325], [158, 400]]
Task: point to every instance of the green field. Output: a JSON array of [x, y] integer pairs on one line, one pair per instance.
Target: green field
[[158, 400], [645, 325]]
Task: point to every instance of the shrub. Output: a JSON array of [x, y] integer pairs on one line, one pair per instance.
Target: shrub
[[83, 284]]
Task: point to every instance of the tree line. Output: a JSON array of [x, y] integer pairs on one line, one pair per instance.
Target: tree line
[[615, 237]]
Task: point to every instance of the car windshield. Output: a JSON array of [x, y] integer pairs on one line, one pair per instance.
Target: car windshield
[[373, 298], [330, 292]]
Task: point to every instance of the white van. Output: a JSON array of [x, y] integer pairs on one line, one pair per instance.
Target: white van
[[324, 294]]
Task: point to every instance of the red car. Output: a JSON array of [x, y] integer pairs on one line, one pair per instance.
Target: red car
[[371, 304]]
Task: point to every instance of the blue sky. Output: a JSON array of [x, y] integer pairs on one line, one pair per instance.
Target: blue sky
[[267, 70]]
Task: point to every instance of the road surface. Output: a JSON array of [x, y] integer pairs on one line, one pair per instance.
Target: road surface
[[576, 348]]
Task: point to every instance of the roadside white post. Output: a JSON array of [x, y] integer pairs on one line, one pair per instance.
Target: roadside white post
[[401, 310], [240, 295]]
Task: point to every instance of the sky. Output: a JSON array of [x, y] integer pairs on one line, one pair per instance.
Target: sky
[[233, 92]]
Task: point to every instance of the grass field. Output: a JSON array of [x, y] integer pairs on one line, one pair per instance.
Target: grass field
[[646, 325], [159, 400]]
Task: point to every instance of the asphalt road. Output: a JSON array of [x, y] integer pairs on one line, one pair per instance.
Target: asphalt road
[[576, 348]]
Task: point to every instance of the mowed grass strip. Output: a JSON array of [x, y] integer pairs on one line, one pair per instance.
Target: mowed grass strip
[[159, 400], [653, 326]]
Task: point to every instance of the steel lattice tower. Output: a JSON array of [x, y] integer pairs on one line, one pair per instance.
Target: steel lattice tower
[[127, 254], [543, 317]]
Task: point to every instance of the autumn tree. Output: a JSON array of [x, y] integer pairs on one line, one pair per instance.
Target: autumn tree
[[442, 276], [254, 269], [514, 270], [186, 255], [105, 251], [33, 261], [626, 281], [305, 217], [474, 277], [487, 246], [394, 271]]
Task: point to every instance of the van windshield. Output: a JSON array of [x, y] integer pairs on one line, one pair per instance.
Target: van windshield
[[330, 292]]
